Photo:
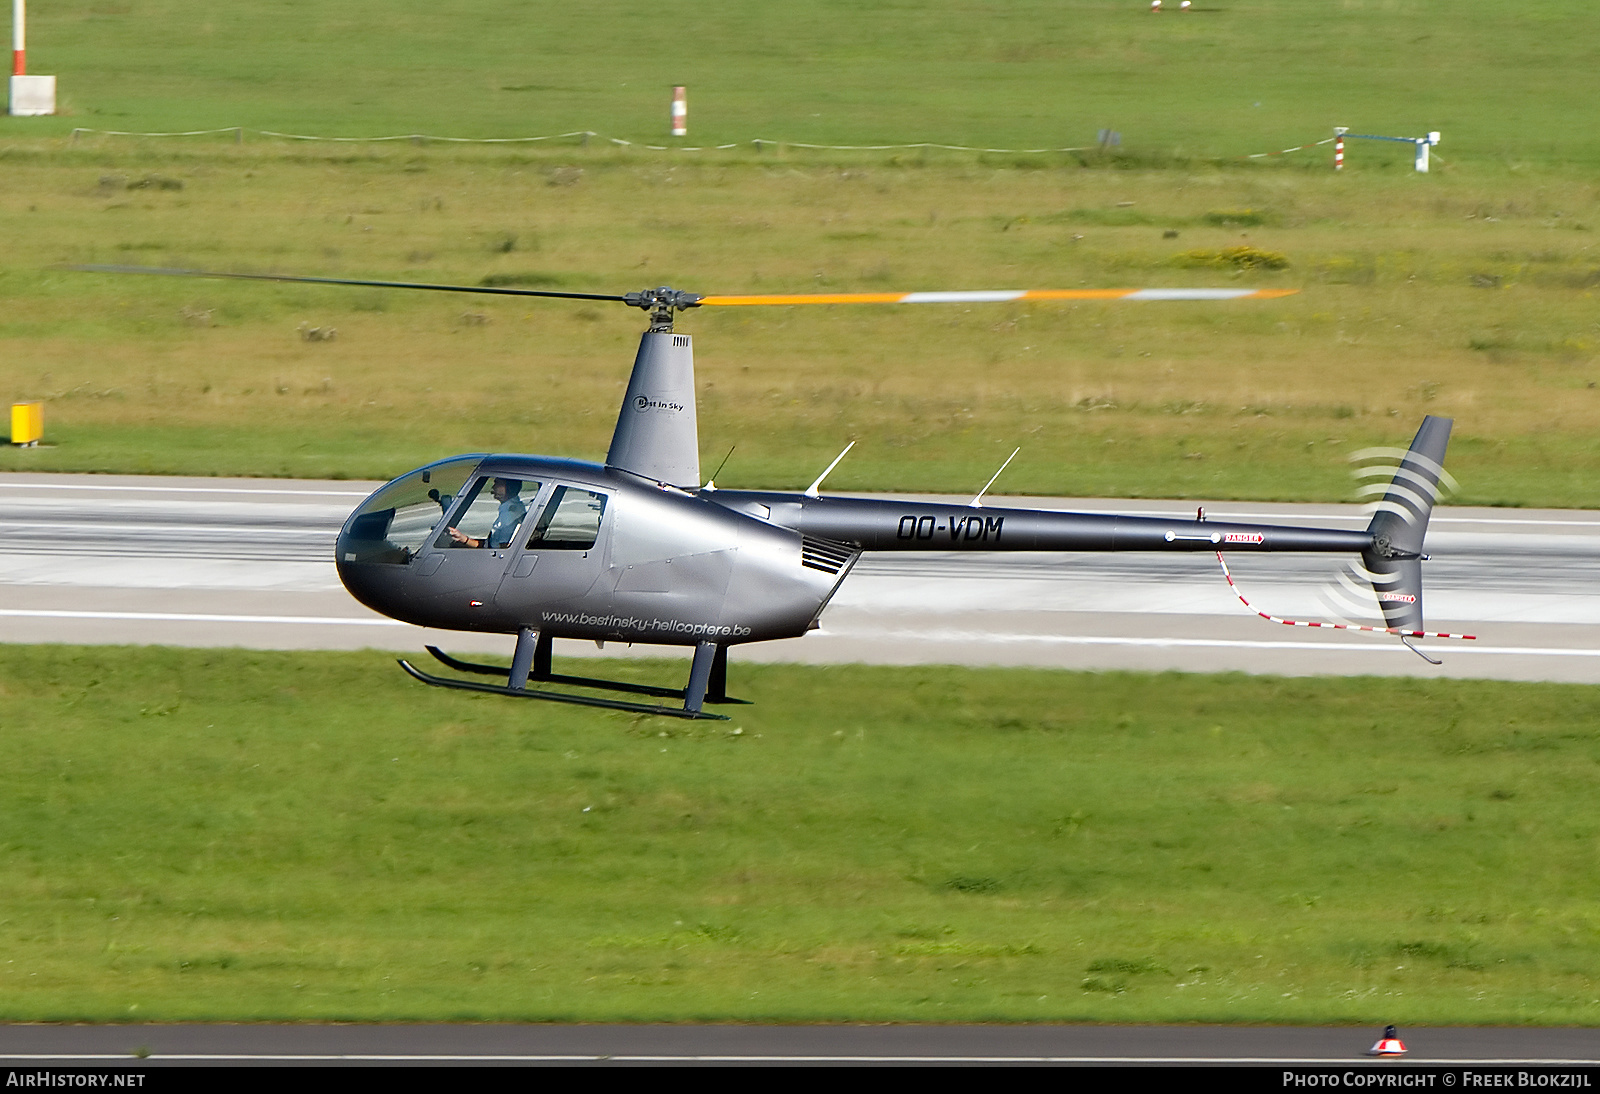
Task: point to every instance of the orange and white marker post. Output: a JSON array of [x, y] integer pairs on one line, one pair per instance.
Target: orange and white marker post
[[1338, 146], [30, 95], [680, 110]]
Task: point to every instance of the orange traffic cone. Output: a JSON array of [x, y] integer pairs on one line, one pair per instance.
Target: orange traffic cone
[[1389, 1044]]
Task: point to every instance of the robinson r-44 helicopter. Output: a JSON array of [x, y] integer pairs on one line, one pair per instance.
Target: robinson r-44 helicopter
[[637, 549]]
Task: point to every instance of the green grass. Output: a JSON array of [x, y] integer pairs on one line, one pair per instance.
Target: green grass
[[237, 835], [1504, 83], [1468, 292], [1450, 294]]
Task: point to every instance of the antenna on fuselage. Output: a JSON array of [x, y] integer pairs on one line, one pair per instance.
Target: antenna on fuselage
[[711, 483], [977, 502], [811, 491]]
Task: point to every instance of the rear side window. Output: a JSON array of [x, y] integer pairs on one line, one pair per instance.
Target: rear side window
[[570, 521]]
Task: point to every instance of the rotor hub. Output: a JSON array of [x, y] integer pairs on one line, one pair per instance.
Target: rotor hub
[[660, 303]]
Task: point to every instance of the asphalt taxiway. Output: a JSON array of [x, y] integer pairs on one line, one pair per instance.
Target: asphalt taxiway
[[248, 562], [138, 1046]]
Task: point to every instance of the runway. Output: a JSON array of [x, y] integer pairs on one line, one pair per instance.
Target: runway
[[138, 1046], [248, 562]]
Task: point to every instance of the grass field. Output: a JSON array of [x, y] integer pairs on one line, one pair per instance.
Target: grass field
[[1467, 292], [1446, 294], [1504, 82], [239, 835], [229, 835]]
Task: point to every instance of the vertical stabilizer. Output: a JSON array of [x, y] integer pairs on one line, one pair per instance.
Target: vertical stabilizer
[[656, 434], [1394, 561]]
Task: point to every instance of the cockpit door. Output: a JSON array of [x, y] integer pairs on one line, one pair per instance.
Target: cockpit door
[[463, 565], [561, 555]]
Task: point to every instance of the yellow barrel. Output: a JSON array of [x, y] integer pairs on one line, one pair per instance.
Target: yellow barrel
[[27, 423]]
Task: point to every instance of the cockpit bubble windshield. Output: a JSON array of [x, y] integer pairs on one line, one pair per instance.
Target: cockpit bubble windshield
[[393, 524]]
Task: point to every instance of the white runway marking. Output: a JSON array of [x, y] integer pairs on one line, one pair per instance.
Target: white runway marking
[[960, 637], [251, 490], [1201, 643], [753, 1058], [170, 529], [192, 617]]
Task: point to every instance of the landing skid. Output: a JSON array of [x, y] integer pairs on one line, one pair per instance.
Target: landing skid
[[530, 662], [558, 696], [574, 681], [555, 678]]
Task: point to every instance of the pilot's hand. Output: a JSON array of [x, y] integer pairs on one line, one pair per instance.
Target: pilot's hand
[[461, 537]]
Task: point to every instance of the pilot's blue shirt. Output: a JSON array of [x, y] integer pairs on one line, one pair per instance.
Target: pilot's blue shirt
[[512, 510]]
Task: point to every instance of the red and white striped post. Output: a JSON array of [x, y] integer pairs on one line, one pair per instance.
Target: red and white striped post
[[19, 44], [1338, 147], [30, 96], [680, 110]]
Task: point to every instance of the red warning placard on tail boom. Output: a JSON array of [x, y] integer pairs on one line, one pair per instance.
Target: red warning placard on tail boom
[[1243, 537]]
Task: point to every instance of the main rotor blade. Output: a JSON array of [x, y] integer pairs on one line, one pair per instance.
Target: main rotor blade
[[483, 289], [993, 296], [665, 298]]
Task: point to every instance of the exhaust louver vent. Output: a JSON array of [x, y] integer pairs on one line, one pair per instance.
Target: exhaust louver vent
[[824, 554]]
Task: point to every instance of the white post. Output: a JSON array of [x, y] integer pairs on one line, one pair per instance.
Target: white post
[[1423, 144], [680, 111], [19, 46]]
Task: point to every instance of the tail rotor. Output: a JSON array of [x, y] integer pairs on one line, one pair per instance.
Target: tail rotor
[[1387, 581], [1400, 511]]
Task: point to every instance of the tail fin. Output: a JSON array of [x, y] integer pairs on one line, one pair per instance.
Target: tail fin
[[1394, 561], [656, 435]]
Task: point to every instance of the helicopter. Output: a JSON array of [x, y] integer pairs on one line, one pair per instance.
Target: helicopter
[[638, 549]]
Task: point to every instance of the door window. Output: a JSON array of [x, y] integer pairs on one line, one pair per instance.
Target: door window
[[490, 514], [570, 521]]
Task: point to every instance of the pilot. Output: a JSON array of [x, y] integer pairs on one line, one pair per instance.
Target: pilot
[[512, 510]]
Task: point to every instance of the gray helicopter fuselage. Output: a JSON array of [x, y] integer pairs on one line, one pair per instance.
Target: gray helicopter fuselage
[[597, 553]]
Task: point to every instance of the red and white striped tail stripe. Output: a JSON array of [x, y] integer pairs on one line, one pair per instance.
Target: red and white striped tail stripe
[[1332, 626]]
